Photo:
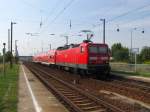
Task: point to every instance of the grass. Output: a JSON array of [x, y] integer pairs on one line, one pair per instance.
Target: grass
[[9, 89], [142, 74]]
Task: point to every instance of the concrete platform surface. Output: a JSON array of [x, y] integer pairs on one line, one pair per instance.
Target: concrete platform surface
[[33, 95]]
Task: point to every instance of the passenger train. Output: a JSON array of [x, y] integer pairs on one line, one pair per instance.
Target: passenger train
[[86, 58]]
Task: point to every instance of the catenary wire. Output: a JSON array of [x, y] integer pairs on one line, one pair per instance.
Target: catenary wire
[[58, 15]]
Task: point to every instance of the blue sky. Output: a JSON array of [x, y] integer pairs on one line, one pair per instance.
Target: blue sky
[[84, 14]]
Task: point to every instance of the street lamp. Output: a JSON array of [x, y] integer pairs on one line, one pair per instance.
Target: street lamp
[[12, 23], [103, 20]]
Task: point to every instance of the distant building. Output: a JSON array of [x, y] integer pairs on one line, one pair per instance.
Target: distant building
[[25, 58]]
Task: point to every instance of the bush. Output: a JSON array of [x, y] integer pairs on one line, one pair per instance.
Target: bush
[[145, 54], [147, 62]]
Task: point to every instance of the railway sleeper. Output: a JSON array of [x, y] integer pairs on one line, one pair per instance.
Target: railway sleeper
[[74, 96], [80, 99], [89, 108], [100, 110], [62, 89], [85, 104], [67, 92]]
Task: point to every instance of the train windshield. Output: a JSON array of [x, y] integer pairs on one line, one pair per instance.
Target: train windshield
[[98, 49]]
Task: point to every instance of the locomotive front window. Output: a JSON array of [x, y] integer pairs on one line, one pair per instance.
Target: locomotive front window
[[102, 50], [93, 49], [98, 49]]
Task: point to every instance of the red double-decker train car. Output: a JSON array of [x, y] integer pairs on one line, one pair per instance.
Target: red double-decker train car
[[47, 58], [86, 57]]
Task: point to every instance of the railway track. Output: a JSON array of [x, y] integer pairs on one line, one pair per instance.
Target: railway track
[[135, 89], [77, 99], [128, 84], [124, 89], [131, 82]]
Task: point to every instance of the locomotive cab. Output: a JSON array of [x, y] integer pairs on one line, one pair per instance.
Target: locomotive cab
[[98, 58]]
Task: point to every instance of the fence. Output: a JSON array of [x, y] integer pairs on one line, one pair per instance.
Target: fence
[[130, 67]]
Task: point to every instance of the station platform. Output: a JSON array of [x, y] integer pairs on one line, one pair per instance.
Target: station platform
[[34, 96]]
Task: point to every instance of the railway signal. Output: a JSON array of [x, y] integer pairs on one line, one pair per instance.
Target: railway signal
[[143, 31], [118, 29]]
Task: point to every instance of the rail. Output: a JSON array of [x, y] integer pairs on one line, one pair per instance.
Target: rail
[[77, 99]]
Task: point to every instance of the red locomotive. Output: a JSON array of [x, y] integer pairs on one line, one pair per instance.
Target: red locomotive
[[85, 57]]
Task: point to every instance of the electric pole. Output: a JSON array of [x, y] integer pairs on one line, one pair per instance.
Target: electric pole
[[103, 30], [8, 39], [16, 47], [42, 46], [4, 58], [50, 46], [16, 52], [66, 39], [11, 34]]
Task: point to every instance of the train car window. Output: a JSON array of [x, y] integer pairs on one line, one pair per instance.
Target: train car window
[[82, 49]]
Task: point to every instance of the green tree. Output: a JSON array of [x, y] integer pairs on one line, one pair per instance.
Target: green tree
[[1, 59], [8, 56], [115, 47], [145, 54], [120, 53]]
